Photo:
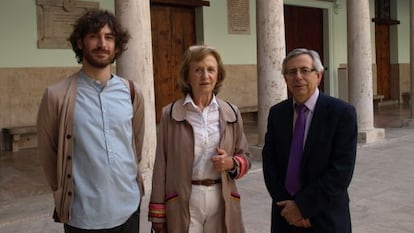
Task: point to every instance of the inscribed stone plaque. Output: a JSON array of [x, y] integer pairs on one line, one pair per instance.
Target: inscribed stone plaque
[[238, 14], [55, 20]]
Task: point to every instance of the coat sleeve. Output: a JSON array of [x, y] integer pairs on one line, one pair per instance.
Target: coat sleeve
[[156, 209], [242, 156], [138, 127], [47, 133], [138, 121]]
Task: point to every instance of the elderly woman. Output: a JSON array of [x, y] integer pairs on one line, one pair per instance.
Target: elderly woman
[[201, 151]]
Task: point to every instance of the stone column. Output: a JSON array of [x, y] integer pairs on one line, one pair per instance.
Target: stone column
[[136, 64], [410, 121], [360, 70], [270, 53]]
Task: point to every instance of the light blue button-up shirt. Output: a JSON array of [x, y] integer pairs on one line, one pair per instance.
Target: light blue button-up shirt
[[106, 191]]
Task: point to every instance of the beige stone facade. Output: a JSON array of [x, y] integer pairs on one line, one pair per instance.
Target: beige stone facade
[[21, 90]]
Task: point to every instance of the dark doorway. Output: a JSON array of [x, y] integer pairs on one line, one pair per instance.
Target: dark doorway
[[304, 29]]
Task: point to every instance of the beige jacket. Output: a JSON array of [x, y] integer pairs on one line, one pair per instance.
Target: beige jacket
[[54, 127], [171, 187]]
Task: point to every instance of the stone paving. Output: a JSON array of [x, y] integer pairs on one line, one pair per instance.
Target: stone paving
[[381, 190]]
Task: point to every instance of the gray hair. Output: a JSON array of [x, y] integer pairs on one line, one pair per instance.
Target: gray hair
[[317, 64]]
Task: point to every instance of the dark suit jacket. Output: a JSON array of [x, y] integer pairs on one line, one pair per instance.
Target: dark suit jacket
[[326, 168]]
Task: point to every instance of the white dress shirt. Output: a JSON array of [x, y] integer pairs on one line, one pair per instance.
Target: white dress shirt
[[206, 129]]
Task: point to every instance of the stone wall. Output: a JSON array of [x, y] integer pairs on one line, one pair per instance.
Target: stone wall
[[343, 82], [240, 87], [400, 80], [21, 91]]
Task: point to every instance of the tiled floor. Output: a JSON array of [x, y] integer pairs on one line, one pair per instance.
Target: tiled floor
[[21, 177]]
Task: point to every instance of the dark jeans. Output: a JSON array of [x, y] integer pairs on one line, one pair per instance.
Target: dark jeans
[[130, 226]]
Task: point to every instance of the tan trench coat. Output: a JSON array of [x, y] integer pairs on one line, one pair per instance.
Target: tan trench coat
[[55, 126], [174, 162]]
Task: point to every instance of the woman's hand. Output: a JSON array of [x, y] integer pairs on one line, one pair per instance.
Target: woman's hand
[[222, 161]]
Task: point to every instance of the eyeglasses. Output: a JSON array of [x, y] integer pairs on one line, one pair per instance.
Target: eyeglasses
[[304, 71]]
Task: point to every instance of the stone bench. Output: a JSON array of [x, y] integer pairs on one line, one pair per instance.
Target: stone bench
[[22, 137], [377, 99]]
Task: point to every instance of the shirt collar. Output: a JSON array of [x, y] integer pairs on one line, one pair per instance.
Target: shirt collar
[[311, 102], [188, 100], [93, 82], [228, 113]]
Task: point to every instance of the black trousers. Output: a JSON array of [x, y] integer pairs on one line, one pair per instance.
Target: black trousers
[[130, 226]]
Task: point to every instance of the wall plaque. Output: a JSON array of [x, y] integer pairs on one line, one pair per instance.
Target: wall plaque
[[238, 13], [55, 19]]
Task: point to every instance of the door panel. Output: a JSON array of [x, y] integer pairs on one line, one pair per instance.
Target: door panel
[[173, 30], [382, 48]]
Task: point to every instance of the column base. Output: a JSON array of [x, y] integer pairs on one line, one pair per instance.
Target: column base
[[371, 135]]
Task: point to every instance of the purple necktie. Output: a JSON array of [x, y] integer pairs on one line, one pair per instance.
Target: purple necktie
[[292, 182]]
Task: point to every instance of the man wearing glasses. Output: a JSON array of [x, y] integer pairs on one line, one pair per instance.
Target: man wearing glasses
[[309, 152]]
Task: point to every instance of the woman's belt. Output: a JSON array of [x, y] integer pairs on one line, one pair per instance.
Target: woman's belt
[[206, 182]]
